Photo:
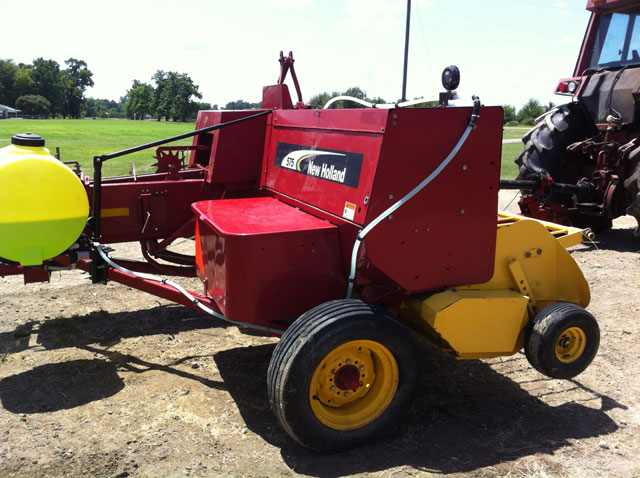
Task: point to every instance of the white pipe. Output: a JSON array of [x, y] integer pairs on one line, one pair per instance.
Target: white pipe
[[379, 105], [348, 98]]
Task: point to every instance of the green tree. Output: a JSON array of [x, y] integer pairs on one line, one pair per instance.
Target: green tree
[[182, 105], [319, 100], [23, 81], [47, 81], [173, 93], [8, 92], [90, 108], [34, 105], [356, 92], [139, 100], [509, 113], [530, 111], [240, 105], [75, 80], [161, 95], [201, 106], [101, 108]]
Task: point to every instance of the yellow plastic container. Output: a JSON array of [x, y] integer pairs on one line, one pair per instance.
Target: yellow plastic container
[[43, 204]]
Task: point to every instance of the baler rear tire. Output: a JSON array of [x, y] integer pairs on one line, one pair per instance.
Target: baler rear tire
[[544, 155], [332, 341], [562, 340]]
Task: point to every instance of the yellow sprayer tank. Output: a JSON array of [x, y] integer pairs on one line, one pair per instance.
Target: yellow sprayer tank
[[43, 204]]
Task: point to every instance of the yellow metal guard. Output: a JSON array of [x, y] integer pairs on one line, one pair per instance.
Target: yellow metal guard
[[532, 270]]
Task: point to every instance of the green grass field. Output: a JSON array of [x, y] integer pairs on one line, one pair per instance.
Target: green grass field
[[81, 140], [508, 169], [514, 132]]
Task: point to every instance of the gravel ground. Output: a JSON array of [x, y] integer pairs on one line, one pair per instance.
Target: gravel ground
[[109, 381]]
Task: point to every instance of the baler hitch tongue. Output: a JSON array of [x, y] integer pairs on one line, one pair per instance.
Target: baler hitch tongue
[[567, 236]]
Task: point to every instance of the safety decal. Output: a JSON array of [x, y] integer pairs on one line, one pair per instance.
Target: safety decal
[[349, 210], [341, 167]]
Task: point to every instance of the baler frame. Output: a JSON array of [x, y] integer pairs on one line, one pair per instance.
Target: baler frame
[[280, 201]]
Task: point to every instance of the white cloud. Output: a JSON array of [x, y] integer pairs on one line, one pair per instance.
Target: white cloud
[[562, 7], [570, 39], [374, 15]]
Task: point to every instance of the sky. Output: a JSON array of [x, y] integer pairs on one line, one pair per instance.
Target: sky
[[507, 50]]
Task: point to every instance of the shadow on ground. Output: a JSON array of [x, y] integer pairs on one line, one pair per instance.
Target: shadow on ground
[[465, 416], [65, 385], [104, 329], [619, 240], [59, 386]]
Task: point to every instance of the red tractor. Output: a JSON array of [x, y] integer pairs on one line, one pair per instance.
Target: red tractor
[[329, 228], [581, 161]]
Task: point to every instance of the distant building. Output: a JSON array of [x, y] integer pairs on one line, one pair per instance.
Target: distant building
[[8, 112]]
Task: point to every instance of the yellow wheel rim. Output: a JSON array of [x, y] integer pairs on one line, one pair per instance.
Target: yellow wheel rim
[[353, 384], [570, 344]]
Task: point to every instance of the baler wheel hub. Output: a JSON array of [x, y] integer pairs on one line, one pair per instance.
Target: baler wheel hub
[[353, 384], [347, 377], [570, 344]]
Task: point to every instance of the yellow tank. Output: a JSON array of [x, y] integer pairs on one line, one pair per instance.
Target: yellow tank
[[43, 204]]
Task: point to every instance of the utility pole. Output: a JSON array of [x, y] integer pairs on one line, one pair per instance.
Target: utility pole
[[406, 53]]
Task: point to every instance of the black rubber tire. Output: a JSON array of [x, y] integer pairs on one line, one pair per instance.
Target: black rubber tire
[[313, 337], [545, 144], [544, 153], [632, 185], [547, 328]]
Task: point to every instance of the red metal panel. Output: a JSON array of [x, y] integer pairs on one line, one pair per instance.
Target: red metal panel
[[236, 150], [276, 96], [582, 63], [265, 260], [355, 120], [326, 158], [147, 210], [445, 235]]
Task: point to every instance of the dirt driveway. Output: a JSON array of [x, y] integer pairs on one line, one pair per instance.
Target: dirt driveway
[[108, 381]]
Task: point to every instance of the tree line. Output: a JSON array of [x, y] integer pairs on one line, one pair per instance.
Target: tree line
[[526, 115], [512, 116], [42, 88]]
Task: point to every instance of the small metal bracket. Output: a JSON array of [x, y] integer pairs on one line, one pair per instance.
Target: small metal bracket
[[523, 286], [97, 267]]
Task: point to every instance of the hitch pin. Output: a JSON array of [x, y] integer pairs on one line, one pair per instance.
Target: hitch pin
[[146, 221]]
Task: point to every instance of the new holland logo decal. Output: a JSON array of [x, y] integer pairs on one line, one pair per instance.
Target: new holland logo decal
[[340, 167]]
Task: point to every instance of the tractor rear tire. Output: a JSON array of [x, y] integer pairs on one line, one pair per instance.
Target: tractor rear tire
[[544, 155], [342, 375], [545, 144], [562, 340]]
